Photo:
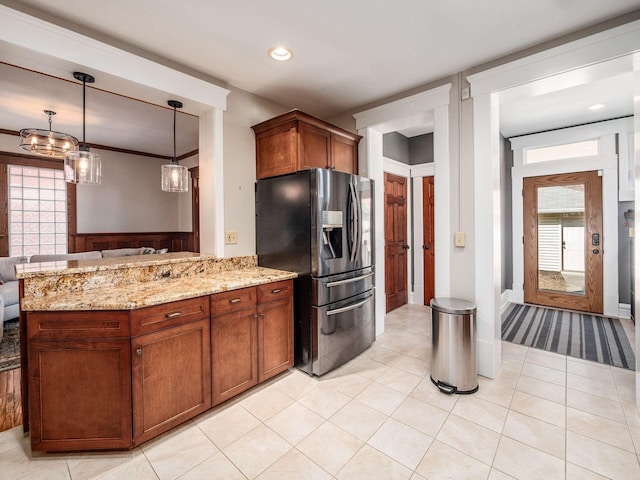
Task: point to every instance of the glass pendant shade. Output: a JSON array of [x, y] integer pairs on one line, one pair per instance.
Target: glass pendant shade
[[47, 142], [175, 177], [82, 166]]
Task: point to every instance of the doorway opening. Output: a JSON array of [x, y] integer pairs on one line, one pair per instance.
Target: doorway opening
[[563, 241]]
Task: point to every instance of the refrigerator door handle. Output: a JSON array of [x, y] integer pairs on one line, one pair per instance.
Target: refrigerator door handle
[[349, 280], [353, 225], [349, 307]]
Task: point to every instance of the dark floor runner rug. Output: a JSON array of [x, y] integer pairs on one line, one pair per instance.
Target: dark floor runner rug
[[580, 335], [10, 346]]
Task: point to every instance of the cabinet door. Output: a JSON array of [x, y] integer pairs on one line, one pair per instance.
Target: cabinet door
[[344, 154], [234, 348], [314, 145], [275, 337], [276, 151], [171, 378], [80, 394]]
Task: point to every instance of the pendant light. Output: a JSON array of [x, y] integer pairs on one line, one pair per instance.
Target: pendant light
[[82, 165], [47, 142], [175, 177]]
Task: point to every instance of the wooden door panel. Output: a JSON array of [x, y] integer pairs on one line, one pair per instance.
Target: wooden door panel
[[171, 378], [275, 337], [396, 245], [344, 154], [80, 394], [234, 347], [314, 147], [546, 282], [428, 209]]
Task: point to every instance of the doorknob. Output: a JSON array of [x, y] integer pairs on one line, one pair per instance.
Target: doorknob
[[406, 247], [596, 251]]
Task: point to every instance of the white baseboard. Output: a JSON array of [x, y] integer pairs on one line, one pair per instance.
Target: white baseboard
[[504, 299], [624, 310]]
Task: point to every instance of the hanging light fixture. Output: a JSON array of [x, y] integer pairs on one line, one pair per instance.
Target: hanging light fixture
[[175, 177], [47, 142], [82, 165]]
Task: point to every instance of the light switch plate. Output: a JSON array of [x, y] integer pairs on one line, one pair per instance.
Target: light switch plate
[[231, 238], [458, 239]]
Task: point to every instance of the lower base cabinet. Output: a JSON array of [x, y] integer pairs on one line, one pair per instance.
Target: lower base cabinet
[[80, 395], [252, 337], [171, 378], [111, 380]]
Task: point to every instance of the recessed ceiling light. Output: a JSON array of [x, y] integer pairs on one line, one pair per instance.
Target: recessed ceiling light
[[596, 106], [281, 54]]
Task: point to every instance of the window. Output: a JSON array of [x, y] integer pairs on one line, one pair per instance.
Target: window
[[587, 148], [37, 211]]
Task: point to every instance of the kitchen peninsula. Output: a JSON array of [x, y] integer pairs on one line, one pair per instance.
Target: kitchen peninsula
[[119, 350]]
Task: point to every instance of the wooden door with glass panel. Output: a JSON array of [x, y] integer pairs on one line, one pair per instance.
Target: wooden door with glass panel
[[563, 244]]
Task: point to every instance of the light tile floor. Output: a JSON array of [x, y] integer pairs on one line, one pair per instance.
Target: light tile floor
[[544, 416]]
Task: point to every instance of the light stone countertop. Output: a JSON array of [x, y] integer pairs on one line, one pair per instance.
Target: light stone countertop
[[155, 292]]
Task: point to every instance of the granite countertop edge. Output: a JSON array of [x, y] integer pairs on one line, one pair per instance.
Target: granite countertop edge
[[156, 292]]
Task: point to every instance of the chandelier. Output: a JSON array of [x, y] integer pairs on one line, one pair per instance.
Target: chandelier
[[47, 142]]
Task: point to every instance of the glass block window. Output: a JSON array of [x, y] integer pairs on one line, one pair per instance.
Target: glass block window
[[587, 148], [37, 211]]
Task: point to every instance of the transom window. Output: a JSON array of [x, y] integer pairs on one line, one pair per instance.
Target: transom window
[[587, 148], [37, 211]]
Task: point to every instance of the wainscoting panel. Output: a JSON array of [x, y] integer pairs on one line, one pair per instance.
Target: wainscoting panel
[[174, 241]]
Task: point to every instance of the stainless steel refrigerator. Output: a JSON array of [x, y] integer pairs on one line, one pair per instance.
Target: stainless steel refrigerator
[[319, 223]]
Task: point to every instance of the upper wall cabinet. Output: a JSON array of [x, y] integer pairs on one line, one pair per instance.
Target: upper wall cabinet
[[297, 141]]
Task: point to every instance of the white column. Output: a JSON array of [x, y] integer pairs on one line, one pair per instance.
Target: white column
[[486, 155], [370, 158], [211, 183], [442, 201], [636, 244]]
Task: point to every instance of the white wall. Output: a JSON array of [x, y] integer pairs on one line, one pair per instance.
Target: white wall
[[243, 110]]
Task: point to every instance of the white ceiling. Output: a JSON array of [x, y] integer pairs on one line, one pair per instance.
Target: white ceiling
[[346, 54]]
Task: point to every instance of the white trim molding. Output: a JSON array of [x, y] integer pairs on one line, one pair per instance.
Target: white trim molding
[[137, 77]]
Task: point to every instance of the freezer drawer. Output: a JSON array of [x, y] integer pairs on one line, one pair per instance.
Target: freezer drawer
[[339, 287], [342, 331]]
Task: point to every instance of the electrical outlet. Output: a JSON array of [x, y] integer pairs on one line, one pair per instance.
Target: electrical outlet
[[231, 238], [458, 239]]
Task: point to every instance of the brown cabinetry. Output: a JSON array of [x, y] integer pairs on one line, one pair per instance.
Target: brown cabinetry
[[108, 380], [297, 141], [171, 375], [78, 380], [251, 337]]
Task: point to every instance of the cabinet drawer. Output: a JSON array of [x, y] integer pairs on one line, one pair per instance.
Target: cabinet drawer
[[81, 324], [275, 291], [233, 300], [151, 319]]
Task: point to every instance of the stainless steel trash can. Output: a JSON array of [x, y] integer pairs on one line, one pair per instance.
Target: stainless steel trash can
[[454, 365]]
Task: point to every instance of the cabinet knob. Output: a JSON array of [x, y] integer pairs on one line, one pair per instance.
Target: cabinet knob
[[276, 290], [173, 315], [235, 300], [139, 351]]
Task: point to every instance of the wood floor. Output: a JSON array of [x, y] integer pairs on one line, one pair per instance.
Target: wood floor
[[10, 401]]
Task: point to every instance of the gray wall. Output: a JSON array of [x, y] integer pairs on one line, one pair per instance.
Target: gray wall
[[506, 162], [411, 151], [624, 260]]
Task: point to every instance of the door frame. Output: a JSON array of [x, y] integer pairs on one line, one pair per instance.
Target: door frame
[[414, 214], [592, 299], [606, 162]]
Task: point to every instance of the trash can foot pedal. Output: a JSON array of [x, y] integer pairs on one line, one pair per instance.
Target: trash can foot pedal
[[444, 387], [449, 389]]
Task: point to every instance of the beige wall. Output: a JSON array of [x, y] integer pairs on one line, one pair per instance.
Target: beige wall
[[243, 110], [129, 199]]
